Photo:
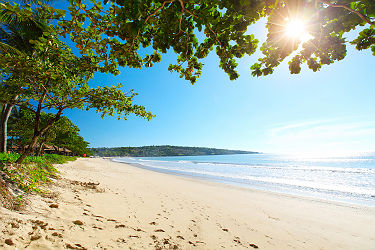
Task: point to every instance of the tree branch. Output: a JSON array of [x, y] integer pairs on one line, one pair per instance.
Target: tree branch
[[363, 17], [209, 27], [37, 113], [51, 122], [156, 11]]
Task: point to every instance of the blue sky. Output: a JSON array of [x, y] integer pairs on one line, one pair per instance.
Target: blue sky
[[329, 111]]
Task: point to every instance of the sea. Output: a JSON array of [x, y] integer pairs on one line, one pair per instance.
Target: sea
[[348, 179]]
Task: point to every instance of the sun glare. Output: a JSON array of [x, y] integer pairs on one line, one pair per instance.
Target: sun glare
[[296, 29]]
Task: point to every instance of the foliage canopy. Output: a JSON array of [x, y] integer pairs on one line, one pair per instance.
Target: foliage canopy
[[328, 23], [53, 78], [62, 134], [114, 31]]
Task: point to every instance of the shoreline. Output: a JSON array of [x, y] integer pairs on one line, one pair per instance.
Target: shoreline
[[292, 192], [123, 206]]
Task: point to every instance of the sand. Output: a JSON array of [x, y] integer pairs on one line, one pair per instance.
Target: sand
[[102, 204]]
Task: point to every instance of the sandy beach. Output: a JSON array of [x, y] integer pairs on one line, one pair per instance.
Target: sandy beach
[[100, 204]]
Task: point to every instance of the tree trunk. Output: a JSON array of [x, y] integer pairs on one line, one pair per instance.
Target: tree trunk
[[3, 126], [41, 148], [3, 135], [38, 133], [28, 149]]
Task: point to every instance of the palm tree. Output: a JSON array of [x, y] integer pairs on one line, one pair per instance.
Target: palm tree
[[15, 36]]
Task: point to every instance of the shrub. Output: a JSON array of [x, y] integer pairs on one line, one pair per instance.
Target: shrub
[[34, 171]]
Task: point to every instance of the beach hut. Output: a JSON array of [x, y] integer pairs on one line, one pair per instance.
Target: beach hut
[[67, 152], [49, 149]]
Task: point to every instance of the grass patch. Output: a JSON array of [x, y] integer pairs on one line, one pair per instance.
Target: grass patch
[[34, 171]]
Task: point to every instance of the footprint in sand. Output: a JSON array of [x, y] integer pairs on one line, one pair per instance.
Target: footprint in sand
[[14, 225], [253, 245], [76, 246], [35, 237], [133, 236], [9, 242], [78, 222], [120, 226], [56, 234], [121, 240], [237, 241], [96, 227], [191, 243]]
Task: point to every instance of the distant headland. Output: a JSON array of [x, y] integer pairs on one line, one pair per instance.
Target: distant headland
[[164, 150]]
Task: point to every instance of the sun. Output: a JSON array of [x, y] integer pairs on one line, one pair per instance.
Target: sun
[[296, 29]]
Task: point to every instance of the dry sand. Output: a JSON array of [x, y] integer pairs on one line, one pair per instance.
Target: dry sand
[[133, 208]]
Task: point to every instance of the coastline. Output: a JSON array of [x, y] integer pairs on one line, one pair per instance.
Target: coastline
[[266, 178], [136, 208]]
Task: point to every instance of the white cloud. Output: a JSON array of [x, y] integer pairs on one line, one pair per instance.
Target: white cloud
[[324, 136]]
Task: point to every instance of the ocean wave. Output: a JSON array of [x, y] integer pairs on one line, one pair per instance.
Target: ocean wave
[[289, 167], [347, 181], [292, 167], [272, 180]]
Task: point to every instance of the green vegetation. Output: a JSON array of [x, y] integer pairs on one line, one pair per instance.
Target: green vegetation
[[328, 22], [35, 171], [59, 82], [62, 134], [148, 151], [15, 36], [117, 30], [39, 72], [53, 78]]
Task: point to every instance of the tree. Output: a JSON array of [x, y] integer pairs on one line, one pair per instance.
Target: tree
[[115, 33], [62, 134], [20, 126], [112, 35], [192, 29], [65, 134], [327, 23], [75, 143], [15, 33], [56, 79]]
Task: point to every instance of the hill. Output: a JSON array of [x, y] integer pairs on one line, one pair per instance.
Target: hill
[[165, 150]]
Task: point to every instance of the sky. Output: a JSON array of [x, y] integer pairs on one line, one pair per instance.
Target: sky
[[329, 111]]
